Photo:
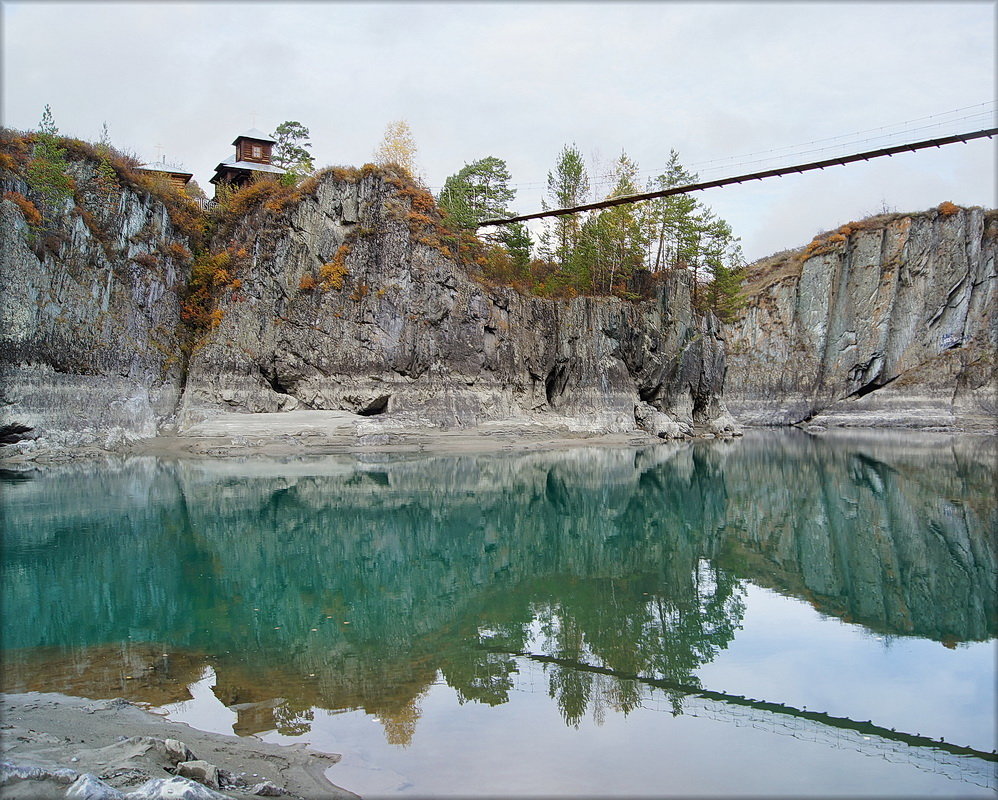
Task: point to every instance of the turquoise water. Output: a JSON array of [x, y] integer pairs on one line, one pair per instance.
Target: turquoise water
[[774, 615]]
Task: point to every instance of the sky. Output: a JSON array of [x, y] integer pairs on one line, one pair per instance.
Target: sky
[[734, 87]]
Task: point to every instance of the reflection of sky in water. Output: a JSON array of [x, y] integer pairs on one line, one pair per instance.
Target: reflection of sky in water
[[785, 651], [524, 747], [203, 711], [377, 609]]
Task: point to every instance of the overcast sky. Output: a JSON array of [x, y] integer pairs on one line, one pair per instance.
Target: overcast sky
[[734, 87]]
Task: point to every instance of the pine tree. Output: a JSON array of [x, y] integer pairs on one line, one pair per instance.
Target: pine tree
[[47, 125], [567, 186], [670, 221], [48, 170], [622, 235], [516, 239], [723, 262], [291, 148], [479, 191]]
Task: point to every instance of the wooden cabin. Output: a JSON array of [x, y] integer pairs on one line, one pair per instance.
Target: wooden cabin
[[254, 150], [175, 174]]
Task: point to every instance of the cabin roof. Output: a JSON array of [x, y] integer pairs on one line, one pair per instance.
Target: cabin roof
[[253, 166], [255, 134], [160, 166], [231, 163]]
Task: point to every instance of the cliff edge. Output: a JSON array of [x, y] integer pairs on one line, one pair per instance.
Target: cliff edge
[[90, 310]]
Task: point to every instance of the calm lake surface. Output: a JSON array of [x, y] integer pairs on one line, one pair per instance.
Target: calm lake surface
[[780, 614]]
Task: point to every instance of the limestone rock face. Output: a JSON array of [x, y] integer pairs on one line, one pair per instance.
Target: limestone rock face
[[891, 322], [89, 347], [340, 304], [402, 330]]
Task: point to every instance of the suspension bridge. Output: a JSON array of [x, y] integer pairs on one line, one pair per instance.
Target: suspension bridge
[[752, 176]]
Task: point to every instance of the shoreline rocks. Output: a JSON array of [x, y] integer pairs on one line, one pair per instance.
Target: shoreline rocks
[[57, 746]]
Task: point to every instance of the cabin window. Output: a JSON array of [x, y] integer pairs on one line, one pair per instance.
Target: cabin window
[[257, 151]]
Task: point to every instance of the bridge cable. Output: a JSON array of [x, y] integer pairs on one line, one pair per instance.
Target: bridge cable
[[755, 176]]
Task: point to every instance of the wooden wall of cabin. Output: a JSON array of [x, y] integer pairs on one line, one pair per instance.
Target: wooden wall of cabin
[[245, 151]]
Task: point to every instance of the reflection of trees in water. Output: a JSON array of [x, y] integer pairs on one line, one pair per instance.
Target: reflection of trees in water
[[400, 722], [292, 717], [665, 633], [667, 636], [622, 559]]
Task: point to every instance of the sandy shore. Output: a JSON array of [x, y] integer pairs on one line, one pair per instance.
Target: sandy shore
[[325, 432], [298, 433], [134, 753]]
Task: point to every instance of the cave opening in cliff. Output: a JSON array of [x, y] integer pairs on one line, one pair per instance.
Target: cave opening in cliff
[[275, 383], [648, 394], [377, 406]]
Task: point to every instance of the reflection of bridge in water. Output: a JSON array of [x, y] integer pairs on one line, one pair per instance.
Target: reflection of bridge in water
[[958, 763]]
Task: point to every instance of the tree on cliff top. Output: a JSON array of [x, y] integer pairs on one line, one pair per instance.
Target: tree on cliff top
[[618, 234], [398, 147], [567, 186], [480, 190], [47, 171], [291, 148]]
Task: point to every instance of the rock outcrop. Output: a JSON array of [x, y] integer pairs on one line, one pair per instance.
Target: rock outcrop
[[334, 301], [89, 316], [397, 327], [344, 298], [57, 746], [888, 322]]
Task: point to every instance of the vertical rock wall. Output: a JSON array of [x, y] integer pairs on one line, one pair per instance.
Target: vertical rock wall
[[90, 340], [888, 322], [89, 316], [403, 331]]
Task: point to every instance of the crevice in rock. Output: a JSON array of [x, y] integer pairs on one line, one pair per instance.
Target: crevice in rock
[[869, 372], [377, 406], [274, 381], [649, 393], [810, 415], [555, 382], [872, 386], [13, 433]]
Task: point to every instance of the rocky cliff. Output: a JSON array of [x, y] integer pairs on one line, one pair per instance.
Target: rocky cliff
[[889, 322], [89, 313], [348, 301], [341, 296]]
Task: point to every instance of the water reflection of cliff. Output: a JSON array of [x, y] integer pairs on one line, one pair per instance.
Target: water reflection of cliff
[[898, 535], [344, 584]]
